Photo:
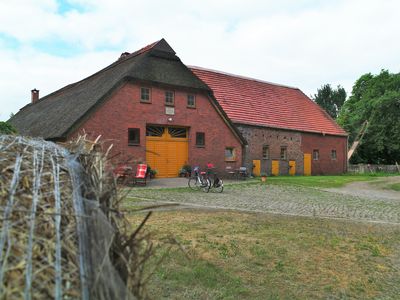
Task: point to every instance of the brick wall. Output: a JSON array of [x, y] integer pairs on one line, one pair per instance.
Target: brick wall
[[325, 144], [257, 137], [296, 143], [124, 110]]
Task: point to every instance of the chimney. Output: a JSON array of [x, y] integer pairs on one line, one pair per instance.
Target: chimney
[[34, 95], [124, 55]]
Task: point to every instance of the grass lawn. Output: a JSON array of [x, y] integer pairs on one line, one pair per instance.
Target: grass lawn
[[232, 255], [322, 181]]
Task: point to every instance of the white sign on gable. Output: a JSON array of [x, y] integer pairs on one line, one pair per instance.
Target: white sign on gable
[[169, 110]]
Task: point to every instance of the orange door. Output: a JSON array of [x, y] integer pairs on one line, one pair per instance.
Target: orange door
[[257, 167], [275, 168], [167, 153], [177, 156], [292, 167], [307, 164]]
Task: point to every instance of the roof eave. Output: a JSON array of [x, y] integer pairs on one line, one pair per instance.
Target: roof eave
[[227, 120], [290, 129], [85, 116]]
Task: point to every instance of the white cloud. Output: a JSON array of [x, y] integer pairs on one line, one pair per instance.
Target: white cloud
[[300, 43]]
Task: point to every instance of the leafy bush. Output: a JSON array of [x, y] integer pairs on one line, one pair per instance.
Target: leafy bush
[[7, 128], [375, 98]]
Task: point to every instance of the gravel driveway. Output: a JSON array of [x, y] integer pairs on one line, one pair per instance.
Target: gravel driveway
[[376, 189], [293, 200]]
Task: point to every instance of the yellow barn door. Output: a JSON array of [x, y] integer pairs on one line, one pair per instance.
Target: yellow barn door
[[275, 168], [292, 167], [257, 167], [166, 149], [307, 164]]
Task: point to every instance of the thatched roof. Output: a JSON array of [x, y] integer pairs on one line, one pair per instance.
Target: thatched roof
[[58, 114]]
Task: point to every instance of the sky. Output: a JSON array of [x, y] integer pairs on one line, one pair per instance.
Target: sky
[[47, 44]]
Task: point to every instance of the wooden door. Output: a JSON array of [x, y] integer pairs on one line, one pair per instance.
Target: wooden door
[[292, 167], [307, 164], [257, 167], [177, 156], [167, 150], [275, 168], [157, 156]]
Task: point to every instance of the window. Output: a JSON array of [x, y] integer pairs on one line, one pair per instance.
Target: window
[[145, 94], [315, 154], [177, 132], [169, 98], [133, 136], [200, 139], [283, 153], [191, 101], [230, 154], [265, 152], [333, 154], [155, 131]]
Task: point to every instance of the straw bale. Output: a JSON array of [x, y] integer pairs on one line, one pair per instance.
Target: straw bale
[[61, 234], [31, 174]]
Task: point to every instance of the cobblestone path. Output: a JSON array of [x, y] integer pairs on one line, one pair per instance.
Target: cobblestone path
[[294, 200]]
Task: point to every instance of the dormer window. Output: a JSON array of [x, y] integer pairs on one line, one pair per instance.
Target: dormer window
[[145, 94], [191, 101], [169, 98]]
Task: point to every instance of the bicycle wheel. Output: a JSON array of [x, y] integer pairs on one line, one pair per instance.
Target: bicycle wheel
[[206, 185], [218, 186], [194, 183]]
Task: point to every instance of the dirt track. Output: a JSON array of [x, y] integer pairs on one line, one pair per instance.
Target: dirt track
[[370, 189]]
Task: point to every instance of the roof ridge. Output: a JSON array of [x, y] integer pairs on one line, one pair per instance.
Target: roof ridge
[[112, 65], [241, 77], [333, 121], [143, 50], [58, 114]]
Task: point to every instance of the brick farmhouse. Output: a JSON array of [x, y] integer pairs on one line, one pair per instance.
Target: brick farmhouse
[[154, 108]]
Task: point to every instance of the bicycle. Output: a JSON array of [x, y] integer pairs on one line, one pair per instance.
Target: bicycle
[[199, 181], [215, 182]]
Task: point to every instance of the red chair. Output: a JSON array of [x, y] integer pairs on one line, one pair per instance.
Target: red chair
[[140, 176]]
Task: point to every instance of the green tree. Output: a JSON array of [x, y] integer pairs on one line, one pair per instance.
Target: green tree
[[331, 100], [375, 98], [7, 128]]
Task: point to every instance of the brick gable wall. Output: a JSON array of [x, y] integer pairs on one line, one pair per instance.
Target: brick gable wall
[[124, 110], [325, 144]]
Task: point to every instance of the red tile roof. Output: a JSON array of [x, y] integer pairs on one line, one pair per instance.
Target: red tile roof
[[255, 102]]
